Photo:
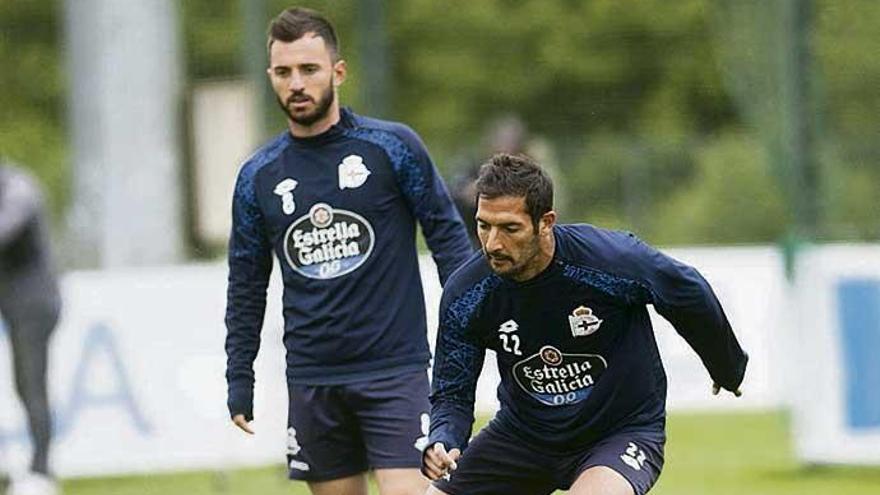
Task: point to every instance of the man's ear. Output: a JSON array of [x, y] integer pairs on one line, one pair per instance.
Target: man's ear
[[548, 220], [340, 70]]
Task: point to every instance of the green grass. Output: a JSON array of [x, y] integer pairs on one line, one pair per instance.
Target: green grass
[[749, 454], [716, 454]]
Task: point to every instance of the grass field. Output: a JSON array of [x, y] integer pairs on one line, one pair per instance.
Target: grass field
[[715, 454]]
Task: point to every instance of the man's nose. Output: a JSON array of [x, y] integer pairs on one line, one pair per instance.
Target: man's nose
[[296, 82], [493, 243]]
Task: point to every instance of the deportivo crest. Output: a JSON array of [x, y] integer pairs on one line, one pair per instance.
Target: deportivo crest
[[556, 379], [352, 172], [285, 190], [328, 243], [583, 322]]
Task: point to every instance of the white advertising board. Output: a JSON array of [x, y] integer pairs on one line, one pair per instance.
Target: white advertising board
[[832, 363], [137, 375]]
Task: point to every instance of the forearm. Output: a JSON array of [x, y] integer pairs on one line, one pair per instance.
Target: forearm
[[701, 321], [245, 311], [451, 423]]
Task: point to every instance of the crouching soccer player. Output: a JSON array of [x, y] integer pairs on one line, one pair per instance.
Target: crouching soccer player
[[583, 390]]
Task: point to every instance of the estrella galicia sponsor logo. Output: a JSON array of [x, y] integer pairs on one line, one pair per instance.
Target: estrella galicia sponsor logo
[[558, 379], [328, 243]]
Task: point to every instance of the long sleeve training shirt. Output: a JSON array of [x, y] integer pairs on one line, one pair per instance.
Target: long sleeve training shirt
[[339, 212], [575, 348]]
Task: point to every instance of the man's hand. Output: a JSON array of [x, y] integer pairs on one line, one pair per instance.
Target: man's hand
[[438, 462], [242, 423], [717, 388]]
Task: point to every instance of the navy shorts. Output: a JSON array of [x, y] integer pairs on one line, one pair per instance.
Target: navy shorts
[[497, 462], [335, 431]]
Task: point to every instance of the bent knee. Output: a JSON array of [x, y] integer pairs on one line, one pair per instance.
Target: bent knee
[[402, 482], [601, 479], [432, 490]]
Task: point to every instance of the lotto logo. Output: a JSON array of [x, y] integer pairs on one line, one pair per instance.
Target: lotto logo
[[509, 339], [284, 189], [293, 446]]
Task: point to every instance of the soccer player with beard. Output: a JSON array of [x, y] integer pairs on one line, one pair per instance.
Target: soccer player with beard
[[583, 390], [336, 198]]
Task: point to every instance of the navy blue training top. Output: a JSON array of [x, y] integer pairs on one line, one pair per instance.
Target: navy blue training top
[[575, 347], [339, 211]]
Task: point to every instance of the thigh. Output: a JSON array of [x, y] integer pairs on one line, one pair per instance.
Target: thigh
[[30, 325], [33, 317], [601, 480], [323, 439], [351, 485], [29, 332], [393, 415], [636, 456], [495, 463], [403, 481]]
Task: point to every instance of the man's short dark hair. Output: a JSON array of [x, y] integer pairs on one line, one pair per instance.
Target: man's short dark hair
[[295, 22], [517, 175]]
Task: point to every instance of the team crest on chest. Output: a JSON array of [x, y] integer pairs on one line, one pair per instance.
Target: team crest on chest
[[583, 322], [285, 190], [352, 172]]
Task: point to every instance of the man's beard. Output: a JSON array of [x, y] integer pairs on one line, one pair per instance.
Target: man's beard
[[322, 107], [514, 269]]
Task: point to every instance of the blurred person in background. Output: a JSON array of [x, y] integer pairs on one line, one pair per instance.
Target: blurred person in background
[[30, 304], [583, 390], [505, 134], [337, 197]]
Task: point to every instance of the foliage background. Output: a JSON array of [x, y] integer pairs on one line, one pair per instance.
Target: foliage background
[[655, 113]]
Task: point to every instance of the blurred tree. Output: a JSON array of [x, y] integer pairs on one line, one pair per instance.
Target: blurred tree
[[32, 93], [639, 99], [847, 41], [568, 67], [731, 199]]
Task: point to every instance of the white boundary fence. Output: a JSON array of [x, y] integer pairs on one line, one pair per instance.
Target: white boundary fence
[[137, 375]]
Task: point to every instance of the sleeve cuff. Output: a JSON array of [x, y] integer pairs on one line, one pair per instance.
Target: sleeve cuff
[[241, 401], [736, 379]]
